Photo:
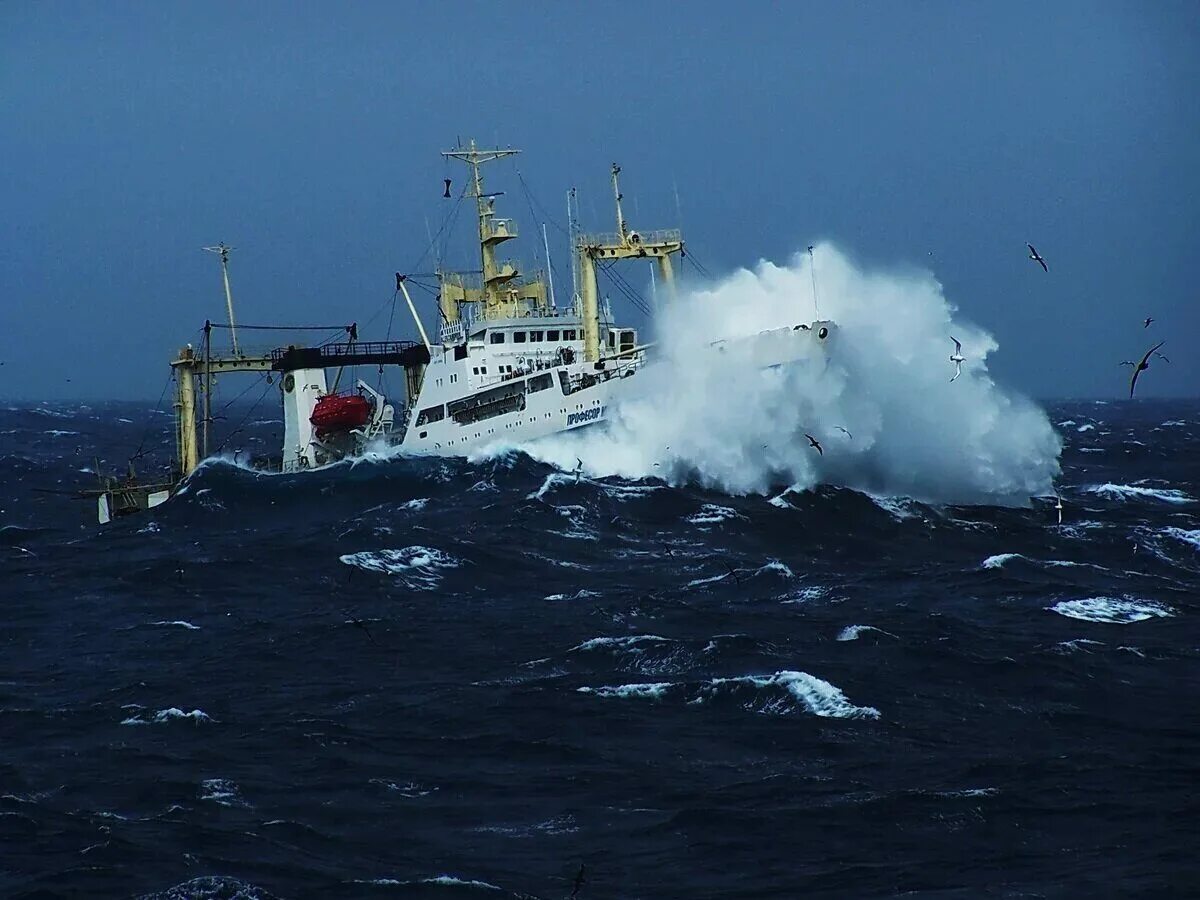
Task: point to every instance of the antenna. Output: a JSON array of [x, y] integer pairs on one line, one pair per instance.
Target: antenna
[[549, 268], [571, 202], [812, 268], [223, 251]]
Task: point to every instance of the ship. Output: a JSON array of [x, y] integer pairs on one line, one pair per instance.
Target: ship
[[510, 365]]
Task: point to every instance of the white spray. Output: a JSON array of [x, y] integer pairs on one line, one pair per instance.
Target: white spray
[[884, 410]]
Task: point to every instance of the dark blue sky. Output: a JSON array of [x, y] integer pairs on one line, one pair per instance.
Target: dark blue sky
[[307, 135]]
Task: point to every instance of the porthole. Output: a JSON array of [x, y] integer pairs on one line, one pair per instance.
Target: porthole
[[289, 382], [823, 332]]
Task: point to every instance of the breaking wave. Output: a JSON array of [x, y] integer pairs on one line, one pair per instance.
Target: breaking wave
[[721, 420], [1122, 611]]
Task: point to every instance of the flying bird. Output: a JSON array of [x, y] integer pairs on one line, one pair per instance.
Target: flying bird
[[844, 431], [1163, 358], [1142, 366], [1058, 506], [1149, 319], [446, 194], [957, 358], [815, 443], [1036, 257]]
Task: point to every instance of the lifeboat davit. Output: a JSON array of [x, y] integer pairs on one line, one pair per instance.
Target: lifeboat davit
[[341, 412]]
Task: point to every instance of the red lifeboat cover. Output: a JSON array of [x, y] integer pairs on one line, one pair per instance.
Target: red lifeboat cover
[[341, 412]]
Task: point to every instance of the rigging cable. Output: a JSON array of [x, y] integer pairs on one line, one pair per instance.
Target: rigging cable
[[249, 412], [138, 454]]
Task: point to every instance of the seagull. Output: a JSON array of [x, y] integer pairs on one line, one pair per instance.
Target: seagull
[[1149, 319], [957, 358], [1163, 358], [1142, 366], [1036, 257], [844, 431], [815, 443], [578, 882], [446, 195], [1058, 506]]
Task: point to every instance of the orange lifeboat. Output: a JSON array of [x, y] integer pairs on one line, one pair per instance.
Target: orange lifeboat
[[340, 412]]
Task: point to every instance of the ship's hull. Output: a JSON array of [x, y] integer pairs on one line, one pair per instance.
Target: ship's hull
[[547, 412]]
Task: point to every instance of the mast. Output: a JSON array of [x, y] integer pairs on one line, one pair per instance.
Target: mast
[[223, 251], [490, 233], [571, 236], [208, 383], [625, 244]]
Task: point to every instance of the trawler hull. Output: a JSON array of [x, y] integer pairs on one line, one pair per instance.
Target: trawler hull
[[566, 399]]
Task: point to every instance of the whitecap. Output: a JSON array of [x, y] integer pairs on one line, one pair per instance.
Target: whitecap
[[222, 791], [168, 715], [1132, 491], [816, 695], [995, 562], [623, 691], [712, 514], [852, 632], [1083, 428], [1183, 535], [776, 566], [581, 594], [899, 508], [621, 643], [180, 623], [1122, 611], [807, 594], [418, 566], [416, 504], [1080, 644]]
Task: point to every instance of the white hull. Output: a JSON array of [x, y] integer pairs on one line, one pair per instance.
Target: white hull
[[549, 411]]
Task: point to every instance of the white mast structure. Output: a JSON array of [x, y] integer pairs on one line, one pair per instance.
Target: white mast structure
[[223, 251]]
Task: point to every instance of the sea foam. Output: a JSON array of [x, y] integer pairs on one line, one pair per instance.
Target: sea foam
[[720, 419]]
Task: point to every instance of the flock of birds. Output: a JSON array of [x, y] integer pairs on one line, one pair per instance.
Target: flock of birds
[[1138, 367]]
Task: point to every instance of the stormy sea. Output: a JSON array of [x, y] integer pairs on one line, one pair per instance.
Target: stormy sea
[[814, 629], [501, 678]]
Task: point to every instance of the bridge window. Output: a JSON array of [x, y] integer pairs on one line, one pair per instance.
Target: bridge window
[[497, 337], [540, 382], [552, 334], [535, 336], [518, 337], [569, 334], [432, 414]]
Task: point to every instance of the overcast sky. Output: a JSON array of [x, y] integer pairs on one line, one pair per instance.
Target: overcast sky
[[307, 135]]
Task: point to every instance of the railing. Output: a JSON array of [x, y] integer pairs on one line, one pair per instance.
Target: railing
[[612, 238], [500, 228]]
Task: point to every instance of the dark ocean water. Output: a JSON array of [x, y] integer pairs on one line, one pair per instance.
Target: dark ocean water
[[443, 679]]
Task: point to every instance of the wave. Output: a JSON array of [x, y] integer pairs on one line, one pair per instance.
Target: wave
[[654, 690], [814, 694], [419, 566], [174, 713], [1136, 492], [853, 632], [1122, 611], [719, 420], [1184, 536]]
